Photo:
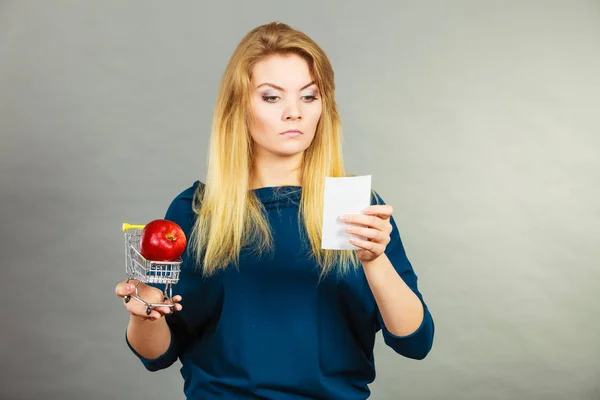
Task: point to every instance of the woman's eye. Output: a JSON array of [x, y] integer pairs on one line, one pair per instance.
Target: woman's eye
[[270, 99], [273, 99]]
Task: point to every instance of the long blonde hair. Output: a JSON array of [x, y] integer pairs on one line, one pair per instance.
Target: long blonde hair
[[229, 215]]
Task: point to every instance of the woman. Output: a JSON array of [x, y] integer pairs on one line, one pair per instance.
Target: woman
[[268, 313]]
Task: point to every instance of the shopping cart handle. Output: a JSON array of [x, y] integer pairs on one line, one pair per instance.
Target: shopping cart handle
[[127, 226]]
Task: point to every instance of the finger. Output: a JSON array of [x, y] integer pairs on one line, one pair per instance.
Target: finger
[[164, 310], [138, 309], [366, 245], [153, 316], [171, 310], [124, 289], [373, 234], [155, 313], [365, 220], [381, 210], [176, 306]]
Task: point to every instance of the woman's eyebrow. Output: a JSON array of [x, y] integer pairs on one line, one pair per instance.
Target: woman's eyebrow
[[282, 89]]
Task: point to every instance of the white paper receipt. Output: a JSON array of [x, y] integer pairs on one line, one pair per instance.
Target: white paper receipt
[[348, 195]]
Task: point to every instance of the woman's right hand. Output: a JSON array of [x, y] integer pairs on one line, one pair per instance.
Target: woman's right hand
[[149, 294]]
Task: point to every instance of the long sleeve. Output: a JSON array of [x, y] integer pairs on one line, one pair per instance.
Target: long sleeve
[[179, 340], [178, 212], [418, 344]]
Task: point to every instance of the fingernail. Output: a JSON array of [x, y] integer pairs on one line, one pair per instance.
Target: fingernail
[[343, 218]]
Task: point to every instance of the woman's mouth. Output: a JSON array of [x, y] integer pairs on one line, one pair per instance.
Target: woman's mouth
[[292, 133]]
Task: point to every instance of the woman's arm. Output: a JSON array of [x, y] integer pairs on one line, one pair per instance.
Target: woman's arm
[[150, 339], [402, 314], [401, 309]]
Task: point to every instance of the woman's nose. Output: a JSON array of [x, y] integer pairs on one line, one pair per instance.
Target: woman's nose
[[293, 112]]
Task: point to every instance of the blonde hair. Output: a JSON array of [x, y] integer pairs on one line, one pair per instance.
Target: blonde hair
[[229, 215]]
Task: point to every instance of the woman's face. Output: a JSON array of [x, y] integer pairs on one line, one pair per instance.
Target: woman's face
[[286, 106]]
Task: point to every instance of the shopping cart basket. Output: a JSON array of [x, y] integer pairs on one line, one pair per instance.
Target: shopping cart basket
[[147, 271]]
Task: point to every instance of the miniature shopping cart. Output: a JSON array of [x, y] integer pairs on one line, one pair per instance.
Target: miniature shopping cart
[[147, 271]]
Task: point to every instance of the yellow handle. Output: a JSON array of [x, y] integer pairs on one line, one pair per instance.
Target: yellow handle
[[127, 226]]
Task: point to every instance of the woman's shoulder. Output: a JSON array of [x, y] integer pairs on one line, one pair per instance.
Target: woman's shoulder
[[182, 204], [190, 192]]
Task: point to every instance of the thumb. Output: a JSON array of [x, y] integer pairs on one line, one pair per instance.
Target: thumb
[[124, 288]]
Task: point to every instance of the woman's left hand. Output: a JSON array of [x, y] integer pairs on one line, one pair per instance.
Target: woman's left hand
[[374, 225]]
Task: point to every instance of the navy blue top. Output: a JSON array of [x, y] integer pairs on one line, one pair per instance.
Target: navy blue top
[[269, 329]]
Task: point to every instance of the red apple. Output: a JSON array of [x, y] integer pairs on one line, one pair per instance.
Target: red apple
[[162, 240]]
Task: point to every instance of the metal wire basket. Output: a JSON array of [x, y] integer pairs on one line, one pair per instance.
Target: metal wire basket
[[147, 271]]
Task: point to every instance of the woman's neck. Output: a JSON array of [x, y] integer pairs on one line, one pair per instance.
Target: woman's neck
[[276, 171]]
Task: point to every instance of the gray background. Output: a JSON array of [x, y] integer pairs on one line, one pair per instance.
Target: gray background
[[477, 119]]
